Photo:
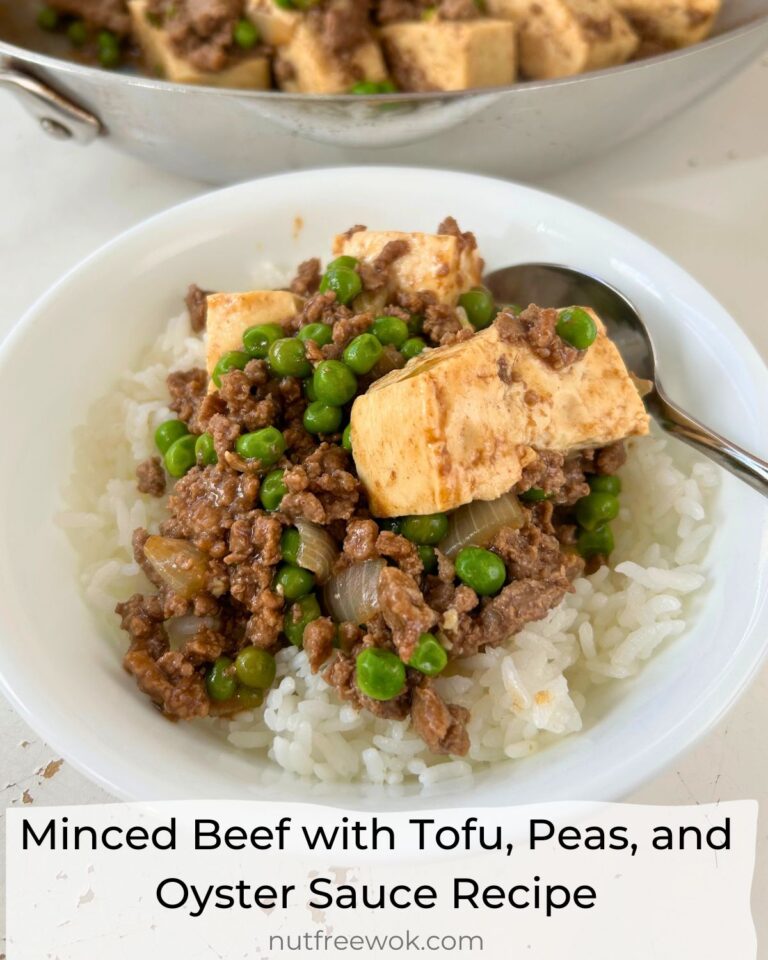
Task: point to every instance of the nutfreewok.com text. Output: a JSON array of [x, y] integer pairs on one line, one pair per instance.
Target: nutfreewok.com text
[[322, 942]]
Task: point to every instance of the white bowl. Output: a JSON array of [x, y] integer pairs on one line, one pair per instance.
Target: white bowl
[[63, 676]]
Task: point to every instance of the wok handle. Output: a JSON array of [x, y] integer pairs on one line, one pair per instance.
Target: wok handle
[[753, 470], [58, 116]]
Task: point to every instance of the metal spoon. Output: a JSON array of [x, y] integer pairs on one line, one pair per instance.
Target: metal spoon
[[549, 285]]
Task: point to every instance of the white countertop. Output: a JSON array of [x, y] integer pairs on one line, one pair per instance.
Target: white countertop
[[697, 188]]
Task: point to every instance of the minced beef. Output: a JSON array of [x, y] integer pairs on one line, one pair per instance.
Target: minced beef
[[404, 610], [342, 25], [318, 641], [200, 31], [196, 301], [375, 274], [230, 546], [440, 726], [150, 477], [105, 14], [307, 278], [536, 327], [187, 389]]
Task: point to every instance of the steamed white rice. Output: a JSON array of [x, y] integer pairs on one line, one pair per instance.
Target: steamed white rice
[[520, 696]]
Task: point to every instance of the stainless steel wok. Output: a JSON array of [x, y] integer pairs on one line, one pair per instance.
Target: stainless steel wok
[[225, 135]]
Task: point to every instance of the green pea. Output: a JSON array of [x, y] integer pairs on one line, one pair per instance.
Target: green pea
[[428, 557], [245, 34], [393, 524], [605, 484], [479, 307], [345, 261], [534, 495], [219, 681], [481, 570], [363, 353], [295, 581], [391, 330], [255, 668], [257, 340], [514, 308], [108, 49], [321, 417], [334, 383], [343, 281], [309, 390], [321, 333], [593, 542], [290, 542], [205, 452], [266, 445], [231, 360], [168, 432], [180, 456], [77, 32], [596, 509], [429, 657], [346, 438], [288, 358], [299, 614], [247, 698], [272, 490], [365, 88], [576, 327], [429, 529], [48, 18], [380, 673], [412, 347], [415, 325]]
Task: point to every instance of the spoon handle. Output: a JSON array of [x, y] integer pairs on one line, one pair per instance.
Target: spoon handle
[[743, 464]]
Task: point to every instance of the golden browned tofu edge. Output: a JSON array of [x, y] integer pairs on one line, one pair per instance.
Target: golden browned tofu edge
[[465, 428]]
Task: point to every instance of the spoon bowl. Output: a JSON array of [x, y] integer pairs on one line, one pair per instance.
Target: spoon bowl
[[552, 285]]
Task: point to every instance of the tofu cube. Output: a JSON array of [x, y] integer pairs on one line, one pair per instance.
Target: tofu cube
[[440, 263], [230, 315], [304, 61], [558, 38], [276, 24], [305, 65], [670, 24], [451, 55], [466, 427], [248, 73]]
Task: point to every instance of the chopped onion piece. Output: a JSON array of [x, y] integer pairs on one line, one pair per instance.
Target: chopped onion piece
[[317, 551], [476, 523], [180, 629], [353, 594], [178, 563]]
